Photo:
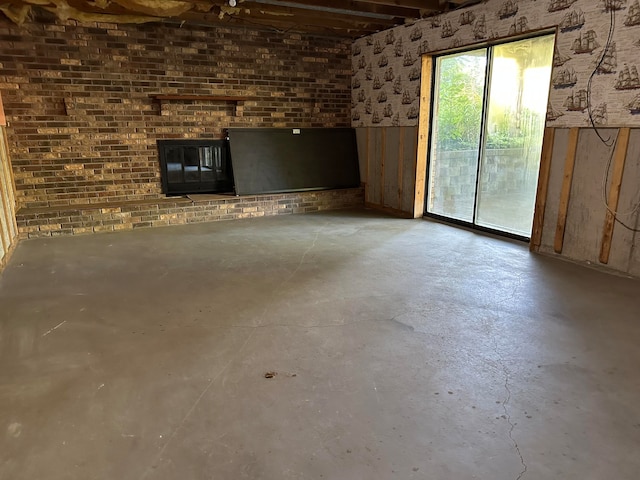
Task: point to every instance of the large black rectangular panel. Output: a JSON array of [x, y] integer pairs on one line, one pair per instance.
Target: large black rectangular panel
[[269, 160]]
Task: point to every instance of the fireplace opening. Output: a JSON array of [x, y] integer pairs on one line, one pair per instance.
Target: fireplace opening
[[195, 166]]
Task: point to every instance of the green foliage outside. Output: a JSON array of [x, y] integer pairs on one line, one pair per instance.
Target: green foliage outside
[[460, 96]]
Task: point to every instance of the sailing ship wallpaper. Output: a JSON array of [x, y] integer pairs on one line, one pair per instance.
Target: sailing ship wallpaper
[[583, 55]]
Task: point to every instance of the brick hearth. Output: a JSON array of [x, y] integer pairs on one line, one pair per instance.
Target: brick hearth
[[108, 217]]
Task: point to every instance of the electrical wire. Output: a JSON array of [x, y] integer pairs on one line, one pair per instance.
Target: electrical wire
[[605, 195], [612, 27], [609, 142]]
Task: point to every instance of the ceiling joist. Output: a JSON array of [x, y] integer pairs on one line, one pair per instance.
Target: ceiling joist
[[342, 18]]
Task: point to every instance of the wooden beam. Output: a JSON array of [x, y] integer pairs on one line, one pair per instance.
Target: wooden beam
[[400, 164], [367, 187], [421, 4], [3, 120], [292, 23], [383, 146], [307, 17], [214, 98], [543, 187], [565, 192], [423, 136], [619, 157], [7, 195], [352, 7]]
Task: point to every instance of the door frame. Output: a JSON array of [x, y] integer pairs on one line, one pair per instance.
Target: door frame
[[425, 119]]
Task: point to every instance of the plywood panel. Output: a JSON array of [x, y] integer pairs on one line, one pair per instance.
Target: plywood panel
[[374, 187], [541, 192], [624, 254], [556, 171], [565, 191], [409, 168], [391, 160], [585, 217], [634, 253], [361, 140], [614, 180]]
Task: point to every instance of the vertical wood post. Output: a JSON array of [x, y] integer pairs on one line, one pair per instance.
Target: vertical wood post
[[619, 157], [423, 136], [543, 187], [565, 192]]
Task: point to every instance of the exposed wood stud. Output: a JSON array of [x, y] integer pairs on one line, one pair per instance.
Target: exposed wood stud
[[10, 183], [619, 157], [543, 187], [565, 192], [423, 136], [383, 140], [3, 120], [7, 211], [344, 18], [367, 187], [400, 162]]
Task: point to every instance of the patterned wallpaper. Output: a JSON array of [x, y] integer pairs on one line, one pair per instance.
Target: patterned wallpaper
[[386, 65]]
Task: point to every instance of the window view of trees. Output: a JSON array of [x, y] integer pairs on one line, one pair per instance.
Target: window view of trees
[[460, 95], [485, 149]]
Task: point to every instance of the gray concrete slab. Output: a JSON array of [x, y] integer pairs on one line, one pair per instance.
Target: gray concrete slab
[[403, 349]]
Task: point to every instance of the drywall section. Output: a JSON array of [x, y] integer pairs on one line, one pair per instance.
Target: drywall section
[[625, 250], [8, 227], [580, 186], [387, 159], [559, 151]]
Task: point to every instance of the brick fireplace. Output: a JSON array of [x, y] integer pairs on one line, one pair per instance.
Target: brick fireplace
[[84, 117]]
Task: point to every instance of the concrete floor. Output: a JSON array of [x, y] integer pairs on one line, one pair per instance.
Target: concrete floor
[[403, 349]]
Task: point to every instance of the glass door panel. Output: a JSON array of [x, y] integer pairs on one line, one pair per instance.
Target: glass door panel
[[456, 133], [518, 89]]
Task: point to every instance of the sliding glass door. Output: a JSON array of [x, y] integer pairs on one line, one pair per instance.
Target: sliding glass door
[[486, 137]]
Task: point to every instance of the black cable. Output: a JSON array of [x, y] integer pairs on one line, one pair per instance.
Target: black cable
[[605, 193], [608, 142], [612, 26], [632, 229]]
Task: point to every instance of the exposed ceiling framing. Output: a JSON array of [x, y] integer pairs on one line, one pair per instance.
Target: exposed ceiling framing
[[344, 18]]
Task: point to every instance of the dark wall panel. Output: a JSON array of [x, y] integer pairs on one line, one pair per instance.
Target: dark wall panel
[[268, 160]]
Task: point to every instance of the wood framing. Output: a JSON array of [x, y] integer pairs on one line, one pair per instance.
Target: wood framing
[[619, 157], [400, 165], [423, 136], [8, 227], [383, 140], [565, 192], [543, 187], [367, 167], [3, 120]]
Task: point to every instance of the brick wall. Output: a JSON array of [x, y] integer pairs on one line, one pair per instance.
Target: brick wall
[[115, 216], [83, 127]]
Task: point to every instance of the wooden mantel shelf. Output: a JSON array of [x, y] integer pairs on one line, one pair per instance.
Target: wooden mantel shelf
[[212, 98]]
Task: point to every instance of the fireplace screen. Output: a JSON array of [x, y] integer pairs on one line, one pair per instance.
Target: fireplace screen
[[195, 166]]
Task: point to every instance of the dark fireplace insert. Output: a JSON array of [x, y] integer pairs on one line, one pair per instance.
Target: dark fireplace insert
[[195, 166]]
